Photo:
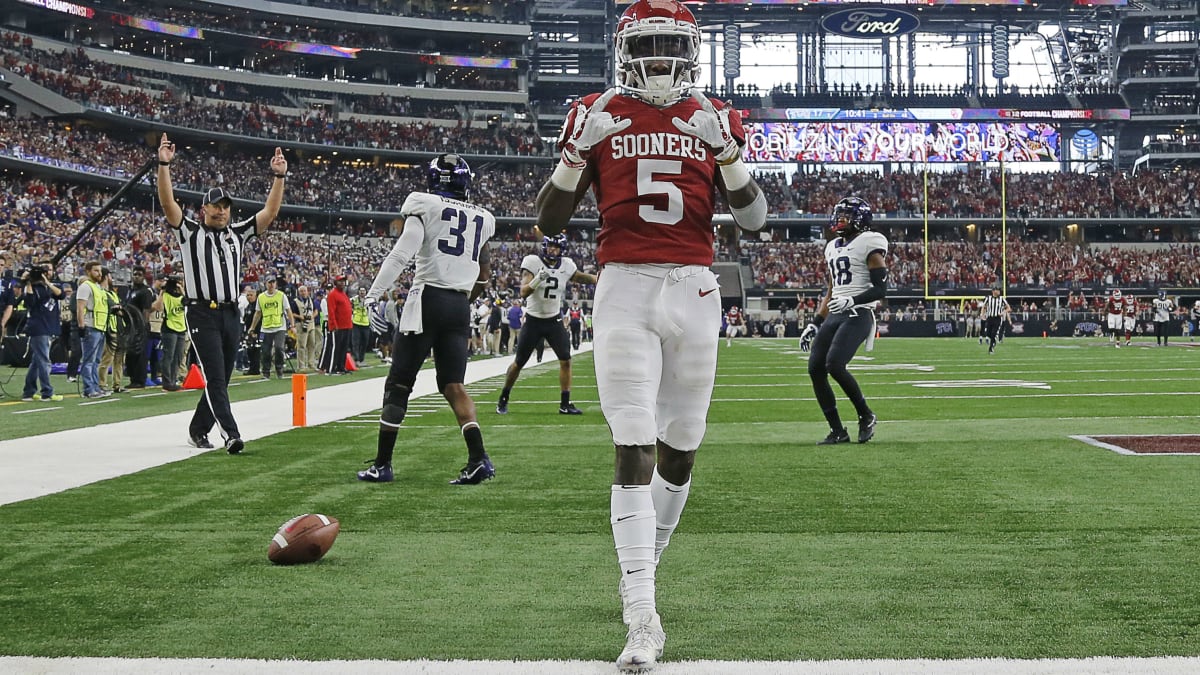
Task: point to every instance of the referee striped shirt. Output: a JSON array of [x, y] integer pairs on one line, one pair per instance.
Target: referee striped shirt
[[994, 306], [212, 259]]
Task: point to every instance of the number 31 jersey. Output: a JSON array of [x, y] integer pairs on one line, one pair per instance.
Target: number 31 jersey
[[847, 261], [455, 233]]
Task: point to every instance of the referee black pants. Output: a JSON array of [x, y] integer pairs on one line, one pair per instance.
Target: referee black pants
[[215, 336], [993, 329]]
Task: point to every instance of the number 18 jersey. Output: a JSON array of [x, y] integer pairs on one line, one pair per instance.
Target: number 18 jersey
[[455, 233], [847, 261]]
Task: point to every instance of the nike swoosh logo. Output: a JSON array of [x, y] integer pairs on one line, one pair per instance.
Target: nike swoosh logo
[[706, 293], [619, 519], [635, 571], [670, 490], [630, 487]]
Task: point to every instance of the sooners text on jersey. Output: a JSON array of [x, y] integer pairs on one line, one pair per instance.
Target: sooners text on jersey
[[654, 185]]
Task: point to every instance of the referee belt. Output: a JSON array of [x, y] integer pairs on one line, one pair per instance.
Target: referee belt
[[211, 304]]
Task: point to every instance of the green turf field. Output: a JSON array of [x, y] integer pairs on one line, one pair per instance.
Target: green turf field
[[972, 526]]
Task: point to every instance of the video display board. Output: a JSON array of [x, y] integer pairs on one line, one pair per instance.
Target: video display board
[[863, 142]]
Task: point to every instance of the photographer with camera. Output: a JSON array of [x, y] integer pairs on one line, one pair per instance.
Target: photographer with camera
[[41, 303], [308, 338], [173, 332]]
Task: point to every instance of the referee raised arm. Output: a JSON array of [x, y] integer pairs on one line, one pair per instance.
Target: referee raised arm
[[996, 309], [212, 268]]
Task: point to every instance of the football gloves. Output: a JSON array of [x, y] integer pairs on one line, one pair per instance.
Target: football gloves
[[807, 337], [712, 127], [592, 125], [840, 303], [539, 278]]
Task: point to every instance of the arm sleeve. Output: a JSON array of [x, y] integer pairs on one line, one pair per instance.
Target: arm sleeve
[[878, 289], [398, 258]]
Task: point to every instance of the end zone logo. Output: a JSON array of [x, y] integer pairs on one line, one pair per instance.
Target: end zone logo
[[870, 23]]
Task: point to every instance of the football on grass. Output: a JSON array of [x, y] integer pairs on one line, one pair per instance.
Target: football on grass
[[303, 539]]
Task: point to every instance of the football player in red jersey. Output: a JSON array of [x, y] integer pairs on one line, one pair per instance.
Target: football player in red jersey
[[1129, 320], [1114, 308], [735, 325], [654, 153]]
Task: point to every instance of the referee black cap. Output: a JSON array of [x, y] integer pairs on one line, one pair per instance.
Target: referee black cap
[[217, 195]]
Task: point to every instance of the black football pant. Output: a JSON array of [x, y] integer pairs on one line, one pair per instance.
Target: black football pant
[[993, 330], [1160, 332], [215, 336], [833, 347]]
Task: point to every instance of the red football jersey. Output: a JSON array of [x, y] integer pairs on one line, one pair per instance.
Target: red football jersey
[[1131, 306], [734, 317], [654, 185], [1114, 306]]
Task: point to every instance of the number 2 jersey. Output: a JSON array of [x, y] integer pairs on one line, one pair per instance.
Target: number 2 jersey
[[545, 302], [847, 262], [654, 185]]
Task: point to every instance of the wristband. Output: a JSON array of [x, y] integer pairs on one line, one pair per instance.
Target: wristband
[[565, 177], [162, 163], [817, 320], [279, 175], [735, 173]]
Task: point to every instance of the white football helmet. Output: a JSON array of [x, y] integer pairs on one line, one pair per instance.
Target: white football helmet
[[658, 51]]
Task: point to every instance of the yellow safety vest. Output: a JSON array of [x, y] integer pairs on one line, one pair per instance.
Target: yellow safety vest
[[173, 308], [100, 316], [358, 313], [271, 307]]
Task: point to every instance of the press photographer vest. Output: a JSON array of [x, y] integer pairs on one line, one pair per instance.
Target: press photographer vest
[[173, 309], [100, 314]]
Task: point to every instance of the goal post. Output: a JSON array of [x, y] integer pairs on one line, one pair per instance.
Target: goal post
[[1002, 281]]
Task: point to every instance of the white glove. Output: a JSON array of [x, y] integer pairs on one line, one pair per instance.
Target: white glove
[[592, 125], [711, 126], [539, 278], [807, 337], [840, 303]]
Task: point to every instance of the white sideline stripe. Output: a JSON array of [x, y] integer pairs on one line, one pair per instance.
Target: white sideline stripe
[[1158, 665], [121, 448]]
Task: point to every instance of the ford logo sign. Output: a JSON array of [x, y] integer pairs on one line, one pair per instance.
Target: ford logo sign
[[870, 23]]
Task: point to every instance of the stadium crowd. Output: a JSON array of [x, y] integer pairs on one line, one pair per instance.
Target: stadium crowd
[[509, 191]]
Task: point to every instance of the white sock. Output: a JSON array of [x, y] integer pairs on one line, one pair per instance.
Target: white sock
[[669, 500], [632, 516]]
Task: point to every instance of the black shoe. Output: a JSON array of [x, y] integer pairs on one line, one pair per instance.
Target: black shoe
[[502, 407], [836, 436], [569, 409], [200, 442], [377, 474], [475, 473], [866, 427], [234, 445]]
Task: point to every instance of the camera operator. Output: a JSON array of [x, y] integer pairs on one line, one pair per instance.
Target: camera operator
[[173, 332], [308, 338], [41, 303]]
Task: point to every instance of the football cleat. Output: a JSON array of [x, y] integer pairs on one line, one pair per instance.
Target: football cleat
[[502, 407], [377, 474], [866, 427], [234, 445], [643, 644], [836, 436], [569, 409], [475, 473]]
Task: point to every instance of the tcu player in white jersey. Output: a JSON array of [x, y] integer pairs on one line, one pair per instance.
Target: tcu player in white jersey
[[655, 152], [544, 282], [845, 318], [448, 238], [1163, 306]]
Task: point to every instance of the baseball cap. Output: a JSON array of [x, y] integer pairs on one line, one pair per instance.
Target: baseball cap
[[340, 277], [216, 195]]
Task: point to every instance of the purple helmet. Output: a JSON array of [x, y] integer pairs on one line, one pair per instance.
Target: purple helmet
[[450, 176], [559, 240], [851, 216]]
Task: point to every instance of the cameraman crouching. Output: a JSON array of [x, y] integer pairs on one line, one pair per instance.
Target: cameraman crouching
[[42, 323]]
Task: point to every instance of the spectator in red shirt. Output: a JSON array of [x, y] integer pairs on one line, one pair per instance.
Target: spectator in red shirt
[[337, 334]]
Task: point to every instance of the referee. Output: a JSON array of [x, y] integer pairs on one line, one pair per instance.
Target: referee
[[996, 309], [212, 269]]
